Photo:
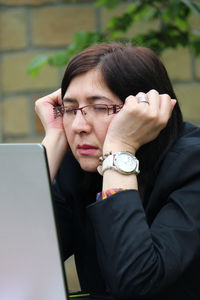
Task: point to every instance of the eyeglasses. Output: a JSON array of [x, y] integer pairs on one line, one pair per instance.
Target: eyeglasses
[[91, 111]]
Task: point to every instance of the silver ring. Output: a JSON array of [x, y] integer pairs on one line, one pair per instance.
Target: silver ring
[[143, 99]]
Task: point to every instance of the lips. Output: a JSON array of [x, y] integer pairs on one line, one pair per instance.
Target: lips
[[86, 149], [85, 146]]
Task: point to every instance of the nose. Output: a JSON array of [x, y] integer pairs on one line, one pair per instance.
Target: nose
[[80, 123]]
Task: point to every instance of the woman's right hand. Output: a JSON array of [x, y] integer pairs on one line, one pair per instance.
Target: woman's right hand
[[55, 140], [44, 109]]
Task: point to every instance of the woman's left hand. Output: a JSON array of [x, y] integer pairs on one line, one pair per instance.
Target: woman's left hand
[[138, 123]]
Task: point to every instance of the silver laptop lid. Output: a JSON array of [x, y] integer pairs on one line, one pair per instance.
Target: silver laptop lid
[[30, 262]]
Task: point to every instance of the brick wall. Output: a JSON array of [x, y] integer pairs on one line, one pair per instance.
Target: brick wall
[[32, 27]]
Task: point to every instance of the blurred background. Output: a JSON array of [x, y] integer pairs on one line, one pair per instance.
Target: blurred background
[[31, 28], [39, 35]]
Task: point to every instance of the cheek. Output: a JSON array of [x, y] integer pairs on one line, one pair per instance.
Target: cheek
[[101, 131], [69, 134]]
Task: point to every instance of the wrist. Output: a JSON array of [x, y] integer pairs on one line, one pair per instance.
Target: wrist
[[117, 147], [53, 132], [123, 162], [56, 147], [113, 179], [55, 141]]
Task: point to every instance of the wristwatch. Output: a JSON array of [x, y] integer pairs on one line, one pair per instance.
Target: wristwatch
[[123, 162]]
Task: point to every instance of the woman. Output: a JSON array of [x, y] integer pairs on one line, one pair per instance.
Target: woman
[[140, 238]]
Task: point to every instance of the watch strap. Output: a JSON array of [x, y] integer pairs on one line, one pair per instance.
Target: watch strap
[[109, 163]]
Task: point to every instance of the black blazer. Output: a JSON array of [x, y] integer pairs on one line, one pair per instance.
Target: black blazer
[[133, 250]]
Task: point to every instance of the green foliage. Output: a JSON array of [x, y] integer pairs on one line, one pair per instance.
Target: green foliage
[[81, 41], [36, 64], [109, 4], [172, 19]]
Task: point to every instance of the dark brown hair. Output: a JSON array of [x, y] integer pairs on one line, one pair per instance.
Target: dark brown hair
[[127, 70]]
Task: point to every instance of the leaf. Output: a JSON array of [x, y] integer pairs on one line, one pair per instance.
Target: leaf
[[36, 64], [122, 23], [173, 29], [107, 3], [59, 59], [174, 11], [81, 40], [84, 39], [193, 6], [195, 42]]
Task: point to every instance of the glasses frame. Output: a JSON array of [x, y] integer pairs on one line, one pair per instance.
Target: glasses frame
[[59, 110]]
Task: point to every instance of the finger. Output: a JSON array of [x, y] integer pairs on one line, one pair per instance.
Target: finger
[[154, 100], [142, 98], [55, 97], [166, 106], [130, 103], [173, 102], [130, 99]]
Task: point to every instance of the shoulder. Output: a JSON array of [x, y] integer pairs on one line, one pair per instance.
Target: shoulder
[[185, 153], [179, 173], [182, 162], [188, 141]]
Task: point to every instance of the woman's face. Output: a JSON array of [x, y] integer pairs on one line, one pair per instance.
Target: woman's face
[[86, 133]]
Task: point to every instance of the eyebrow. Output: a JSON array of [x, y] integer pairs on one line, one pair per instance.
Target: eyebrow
[[69, 100], [91, 98]]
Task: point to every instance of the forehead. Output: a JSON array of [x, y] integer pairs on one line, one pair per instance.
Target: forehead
[[89, 85], [90, 79]]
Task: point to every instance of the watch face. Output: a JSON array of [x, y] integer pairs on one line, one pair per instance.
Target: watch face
[[125, 162]]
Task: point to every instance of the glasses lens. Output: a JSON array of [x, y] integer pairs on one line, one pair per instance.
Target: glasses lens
[[93, 111]]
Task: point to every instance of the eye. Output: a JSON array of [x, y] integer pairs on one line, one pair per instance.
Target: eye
[[100, 107], [70, 110]]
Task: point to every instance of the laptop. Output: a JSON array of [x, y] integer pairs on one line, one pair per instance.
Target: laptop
[[31, 265]]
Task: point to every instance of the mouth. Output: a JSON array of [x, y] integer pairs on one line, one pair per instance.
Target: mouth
[[86, 149]]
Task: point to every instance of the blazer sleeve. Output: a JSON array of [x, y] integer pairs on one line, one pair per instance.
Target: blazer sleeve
[[139, 260]]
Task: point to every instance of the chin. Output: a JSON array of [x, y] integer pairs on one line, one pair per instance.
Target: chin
[[89, 167]]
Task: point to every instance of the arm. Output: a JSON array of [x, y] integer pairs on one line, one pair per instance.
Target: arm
[[136, 262], [64, 218], [55, 143], [144, 259], [135, 125], [55, 140]]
